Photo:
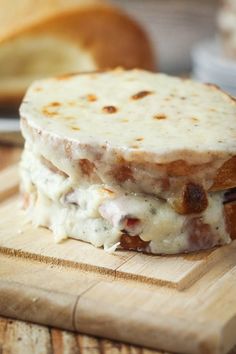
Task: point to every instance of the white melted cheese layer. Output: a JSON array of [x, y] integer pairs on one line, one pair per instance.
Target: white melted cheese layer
[[95, 213], [142, 115]]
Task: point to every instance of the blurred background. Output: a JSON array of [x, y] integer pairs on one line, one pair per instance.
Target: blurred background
[[174, 26], [40, 38]]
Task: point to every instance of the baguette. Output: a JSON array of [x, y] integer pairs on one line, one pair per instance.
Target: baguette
[[65, 36]]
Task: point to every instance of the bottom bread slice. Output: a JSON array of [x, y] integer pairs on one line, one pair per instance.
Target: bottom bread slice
[[111, 217]]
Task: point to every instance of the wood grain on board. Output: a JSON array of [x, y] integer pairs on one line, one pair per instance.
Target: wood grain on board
[[184, 304]]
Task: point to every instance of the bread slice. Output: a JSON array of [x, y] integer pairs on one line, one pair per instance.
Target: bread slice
[[64, 36], [130, 145]]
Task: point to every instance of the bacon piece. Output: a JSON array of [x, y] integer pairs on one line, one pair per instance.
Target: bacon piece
[[87, 167], [200, 234], [134, 243], [132, 226], [230, 219], [192, 199], [118, 212], [131, 222], [123, 173]]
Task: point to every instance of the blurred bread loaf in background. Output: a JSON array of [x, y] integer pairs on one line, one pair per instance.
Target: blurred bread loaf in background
[[227, 28], [52, 37]]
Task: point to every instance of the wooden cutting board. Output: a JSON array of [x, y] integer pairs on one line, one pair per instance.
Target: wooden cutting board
[[185, 303]]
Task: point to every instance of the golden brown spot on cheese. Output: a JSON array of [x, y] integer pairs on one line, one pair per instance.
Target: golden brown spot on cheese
[[51, 109], [160, 116], [125, 121], [48, 112], [134, 146], [139, 139], [195, 119], [54, 104], [91, 97], [141, 94], [109, 109]]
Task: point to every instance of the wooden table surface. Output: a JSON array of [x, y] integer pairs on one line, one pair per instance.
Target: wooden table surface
[[18, 337]]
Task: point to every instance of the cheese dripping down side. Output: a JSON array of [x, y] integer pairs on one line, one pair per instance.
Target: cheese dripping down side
[[101, 214]]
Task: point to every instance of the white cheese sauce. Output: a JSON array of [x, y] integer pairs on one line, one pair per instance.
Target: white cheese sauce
[[96, 213]]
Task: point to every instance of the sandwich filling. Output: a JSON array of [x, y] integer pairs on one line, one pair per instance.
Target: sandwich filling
[[109, 216]]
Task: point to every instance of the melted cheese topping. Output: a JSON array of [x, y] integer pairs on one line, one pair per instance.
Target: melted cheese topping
[[138, 113], [96, 213]]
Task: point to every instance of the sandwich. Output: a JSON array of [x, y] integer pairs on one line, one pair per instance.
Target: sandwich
[[130, 160], [49, 38]]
